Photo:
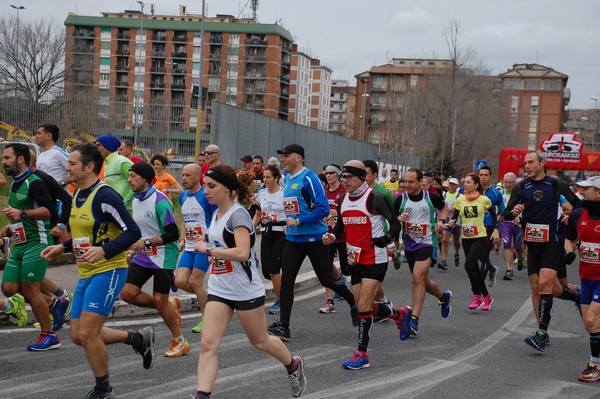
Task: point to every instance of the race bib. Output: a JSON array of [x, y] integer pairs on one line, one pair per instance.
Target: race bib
[[590, 252], [192, 233], [80, 246], [18, 233], [290, 204], [152, 251], [537, 232], [470, 230], [220, 266], [269, 217], [416, 229], [353, 254]]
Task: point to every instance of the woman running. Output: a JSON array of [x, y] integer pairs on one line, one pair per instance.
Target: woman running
[[164, 181], [234, 283], [471, 207], [272, 221]]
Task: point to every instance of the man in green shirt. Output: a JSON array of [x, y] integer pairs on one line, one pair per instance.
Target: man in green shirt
[[116, 168]]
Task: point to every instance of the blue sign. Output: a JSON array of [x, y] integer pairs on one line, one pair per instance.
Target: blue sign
[[480, 163]]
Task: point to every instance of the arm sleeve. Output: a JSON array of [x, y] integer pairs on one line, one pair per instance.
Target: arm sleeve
[[378, 204], [110, 205], [492, 211], [166, 218], [437, 201], [59, 193], [568, 194], [515, 198], [315, 190], [571, 230]]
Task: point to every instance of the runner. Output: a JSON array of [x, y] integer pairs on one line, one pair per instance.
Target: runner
[[155, 254], [583, 227], [537, 198], [472, 208], [234, 284], [30, 207], [102, 230], [116, 168], [417, 209], [511, 233], [197, 214], [450, 198], [306, 208], [489, 190], [361, 217], [164, 181], [272, 221], [392, 185]]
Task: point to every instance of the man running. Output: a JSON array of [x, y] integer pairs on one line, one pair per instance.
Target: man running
[[450, 198], [537, 199], [510, 231], [102, 230], [489, 190], [306, 207], [417, 209]]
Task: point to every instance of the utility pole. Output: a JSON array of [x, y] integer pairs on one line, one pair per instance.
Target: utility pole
[[136, 86], [18, 8], [199, 107]]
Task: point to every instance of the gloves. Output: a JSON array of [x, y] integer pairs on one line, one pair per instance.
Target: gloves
[[381, 242], [569, 257]]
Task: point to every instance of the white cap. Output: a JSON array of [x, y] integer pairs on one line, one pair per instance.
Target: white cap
[[591, 182], [453, 180]]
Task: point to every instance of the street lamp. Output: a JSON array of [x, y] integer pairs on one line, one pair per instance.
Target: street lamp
[[197, 146], [136, 86], [18, 8], [363, 113], [595, 122]]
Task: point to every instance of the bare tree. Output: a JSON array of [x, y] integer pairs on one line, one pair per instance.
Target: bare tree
[[31, 58]]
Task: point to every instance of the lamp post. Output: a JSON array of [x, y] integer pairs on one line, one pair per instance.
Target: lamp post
[[18, 8], [594, 122], [197, 146], [363, 110], [136, 86]]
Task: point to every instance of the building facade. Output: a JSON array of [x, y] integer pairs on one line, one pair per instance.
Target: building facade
[[320, 95], [300, 87], [342, 107]]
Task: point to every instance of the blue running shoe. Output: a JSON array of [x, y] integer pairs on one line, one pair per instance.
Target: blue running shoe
[[58, 312], [403, 323], [446, 303], [360, 360], [45, 342], [537, 341], [414, 327], [275, 308]]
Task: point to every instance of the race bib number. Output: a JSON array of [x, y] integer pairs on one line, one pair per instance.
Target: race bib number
[[193, 232], [269, 217], [353, 254], [80, 247], [470, 230], [331, 220], [590, 252], [152, 251], [537, 232], [290, 204], [18, 233], [220, 266], [416, 229]]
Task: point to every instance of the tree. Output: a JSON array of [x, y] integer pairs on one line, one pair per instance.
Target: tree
[[31, 58]]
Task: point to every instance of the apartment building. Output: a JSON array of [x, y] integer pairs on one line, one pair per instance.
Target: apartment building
[[300, 86], [536, 100], [320, 95], [143, 67], [342, 107]]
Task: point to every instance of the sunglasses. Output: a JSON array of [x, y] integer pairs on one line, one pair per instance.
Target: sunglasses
[[210, 152], [330, 173], [346, 177]]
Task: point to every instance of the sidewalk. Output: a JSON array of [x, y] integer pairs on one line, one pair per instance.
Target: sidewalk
[[66, 276]]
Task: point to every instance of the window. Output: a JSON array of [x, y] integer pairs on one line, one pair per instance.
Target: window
[[413, 81], [534, 104], [532, 84], [512, 84], [554, 84], [514, 104], [531, 144], [104, 61]]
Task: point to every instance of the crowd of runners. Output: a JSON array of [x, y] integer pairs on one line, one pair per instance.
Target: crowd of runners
[[115, 214]]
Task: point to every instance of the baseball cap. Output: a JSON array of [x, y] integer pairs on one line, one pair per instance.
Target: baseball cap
[[247, 158], [591, 182], [453, 180], [292, 148]]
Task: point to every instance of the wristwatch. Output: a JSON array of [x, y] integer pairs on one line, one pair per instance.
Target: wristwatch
[[297, 221], [147, 243], [24, 215], [60, 225]]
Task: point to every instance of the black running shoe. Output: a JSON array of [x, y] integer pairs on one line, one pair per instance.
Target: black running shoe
[[280, 331], [146, 350]]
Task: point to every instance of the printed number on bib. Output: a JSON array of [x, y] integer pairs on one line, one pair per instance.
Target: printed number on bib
[[470, 230], [152, 251], [269, 217], [416, 230], [590, 252], [220, 266], [290, 204], [80, 247], [353, 254], [193, 232], [537, 232], [18, 233]]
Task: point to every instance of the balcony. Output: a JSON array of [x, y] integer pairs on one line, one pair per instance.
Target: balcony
[[254, 75], [159, 54], [180, 37], [123, 36], [254, 90], [123, 84], [214, 72], [123, 51], [256, 42], [157, 69], [157, 84], [256, 105], [180, 54], [178, 85], [84, 34], [178, 71], [159, 37], [214, 86], [215, 56], [122, 67], [256, 58], [286, 65], [215, 40], [286, 47], [80, 48], [285, 79], [283, 110], [285, 95]]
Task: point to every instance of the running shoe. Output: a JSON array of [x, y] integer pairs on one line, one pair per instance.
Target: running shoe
[[446, 303], [456, 261], [277, 329], [45, 342], [476, 303], [443, 265], [508, 275], [275, 309], [19, 311], [403, 322], [174, 287], [520, 264], [36, 324], [492, 276], [336, 296], [537, 340], [414, 327], [354, 315], [590, 374], [578, 302], [359, 360], [176, 303], [298, 379], [146, 350], [329, 307], [58, 312], [385, 302], [198, 327], [5, 248], [178, 348], [487, 303], [69, 296], [397, 259], [97, 393]]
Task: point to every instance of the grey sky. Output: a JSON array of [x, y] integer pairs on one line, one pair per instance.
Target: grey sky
[[350, 35]]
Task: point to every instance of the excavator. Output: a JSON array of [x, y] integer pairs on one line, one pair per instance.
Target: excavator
[[14, 134]]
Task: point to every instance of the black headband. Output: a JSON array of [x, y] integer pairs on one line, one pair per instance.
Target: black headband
[[222, 178], [358, 172]]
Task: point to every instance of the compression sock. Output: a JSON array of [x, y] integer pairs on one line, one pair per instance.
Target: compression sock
[[134, 339], [546, 301], [568, 295], [595, 348], [293, 366], [383, 311], [364, 330], [103, 383]]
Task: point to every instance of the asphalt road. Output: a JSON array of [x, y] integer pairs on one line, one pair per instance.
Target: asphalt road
[[472, 354]]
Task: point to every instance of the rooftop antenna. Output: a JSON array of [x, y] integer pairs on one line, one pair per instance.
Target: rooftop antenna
[[152, 9], [254, 7]]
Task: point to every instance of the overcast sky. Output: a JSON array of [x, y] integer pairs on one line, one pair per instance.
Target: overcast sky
[[350, 36]]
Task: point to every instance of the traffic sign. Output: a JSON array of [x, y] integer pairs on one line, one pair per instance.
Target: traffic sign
[[480, 163]]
